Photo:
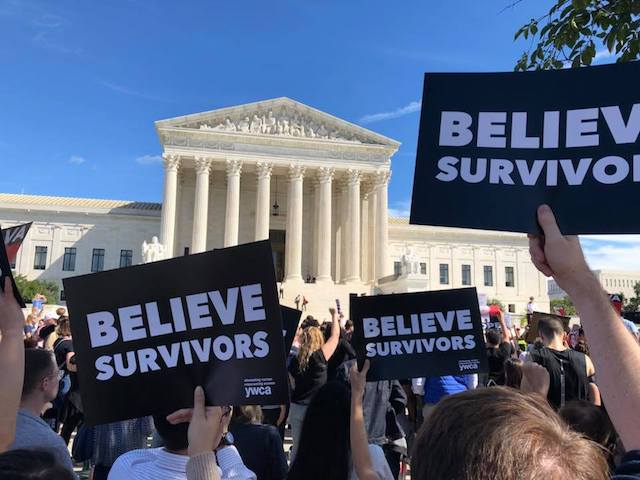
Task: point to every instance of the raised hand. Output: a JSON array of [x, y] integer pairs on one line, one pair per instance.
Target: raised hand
[[11, 317]]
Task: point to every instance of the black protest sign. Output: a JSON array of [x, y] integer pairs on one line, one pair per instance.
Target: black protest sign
[[13, 238], [532, 332], [494, 146], [5, 271], [420, 334], [146, 335], [290, 322]]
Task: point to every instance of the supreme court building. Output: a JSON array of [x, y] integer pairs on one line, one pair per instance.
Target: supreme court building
[[313, 184]]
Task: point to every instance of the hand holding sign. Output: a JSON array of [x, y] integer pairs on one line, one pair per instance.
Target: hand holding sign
[[559, 256], [11, 318], [358, 379]]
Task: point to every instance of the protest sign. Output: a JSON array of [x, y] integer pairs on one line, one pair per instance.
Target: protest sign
[[5, 271], [13, 238], [290, 322], [532, 332], [494, 146], [420, 334], [146, 335]]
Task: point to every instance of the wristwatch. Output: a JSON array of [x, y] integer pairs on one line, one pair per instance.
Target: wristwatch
[[226, 440]]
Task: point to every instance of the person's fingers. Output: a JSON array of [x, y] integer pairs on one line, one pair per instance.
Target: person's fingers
[[365, 368], [199, 413], [7, 287], [547, 221], [180, 416]]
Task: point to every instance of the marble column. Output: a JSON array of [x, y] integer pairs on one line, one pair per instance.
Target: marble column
[[373, 248], [293, 240], [201, 205], [353, 227], [168, 219], [325, 177], [365, 248], [263, 199], [382, 224], [232, 215]]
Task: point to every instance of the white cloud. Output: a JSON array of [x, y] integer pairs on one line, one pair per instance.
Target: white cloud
[[149, 159], [398, 112], [613, 252], [77, 159], [128, 91], [400, 209]]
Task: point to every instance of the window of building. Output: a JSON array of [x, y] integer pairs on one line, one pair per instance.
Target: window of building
[[97, 260], [509, 280], [466, 274], [423, 268], [40, 259], [186, 251], [488, 276], [13, 263], [444, 274], [69, 259], [512, 308], [126, 258], [63, 298], [397, 268]]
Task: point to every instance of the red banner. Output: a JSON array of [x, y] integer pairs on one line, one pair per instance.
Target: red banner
[[13, 238]]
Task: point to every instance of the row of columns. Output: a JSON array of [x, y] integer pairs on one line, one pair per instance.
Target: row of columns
[[293, 244]]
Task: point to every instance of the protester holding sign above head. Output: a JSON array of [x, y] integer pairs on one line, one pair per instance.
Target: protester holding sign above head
[[308, 372], [499, 349]]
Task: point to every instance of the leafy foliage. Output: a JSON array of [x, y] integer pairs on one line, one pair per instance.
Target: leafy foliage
[[633, 305], [29, 288], [572, 30], [495, 301], [565, 303]]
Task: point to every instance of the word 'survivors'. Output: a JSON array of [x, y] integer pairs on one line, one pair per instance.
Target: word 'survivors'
[[418, 323], [579, 128], [137, 322]]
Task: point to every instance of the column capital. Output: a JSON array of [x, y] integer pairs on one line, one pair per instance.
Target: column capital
[[171, 162], [296, 171], [353, 176], [264, 170], [203, 165], [381, 178], [234, 167], [325, 174]]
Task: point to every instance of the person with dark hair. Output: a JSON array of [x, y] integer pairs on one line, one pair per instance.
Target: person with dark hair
[[568, 369], [40, 386], [344, 352], [28, 464], [501, 433], [325, 447], [260, 445], [513, 373], [170, 462], [593, 422], [499, 349]]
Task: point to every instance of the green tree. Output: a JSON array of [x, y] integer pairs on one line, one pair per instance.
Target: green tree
[[29, 288], [634, 302], [565, 303], [572, 30], [495, 301]]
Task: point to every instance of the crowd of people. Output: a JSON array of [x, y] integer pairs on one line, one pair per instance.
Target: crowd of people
[[562, 407]]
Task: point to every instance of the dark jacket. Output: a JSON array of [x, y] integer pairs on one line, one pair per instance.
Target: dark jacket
[[382, 402], [629, 468], [261, 449]]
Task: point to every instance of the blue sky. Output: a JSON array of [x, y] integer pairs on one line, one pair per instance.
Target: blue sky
[[83, 82]]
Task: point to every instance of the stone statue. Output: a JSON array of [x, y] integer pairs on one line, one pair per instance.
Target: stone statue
[[322, 132], [152, 252], [256, 124], [269, 124], [410, 262], [244, 125]]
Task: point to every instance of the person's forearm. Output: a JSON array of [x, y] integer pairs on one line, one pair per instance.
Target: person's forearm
[[11, 378], [616, 357], [359, 444], [506, 335]]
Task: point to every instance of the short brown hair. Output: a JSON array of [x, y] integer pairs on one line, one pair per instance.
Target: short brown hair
[[550, 327], [501, 433], [60, 311], [64, 327]]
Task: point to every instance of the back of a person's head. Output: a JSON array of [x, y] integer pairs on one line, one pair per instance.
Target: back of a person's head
[[590, 420], [501, 433], [38, 364], [60, 311], [513, 372], [493, 337], [247, 414], [64, 327], [311, 340], [550, 328], [323, 449], [32, 465], [174, 436]]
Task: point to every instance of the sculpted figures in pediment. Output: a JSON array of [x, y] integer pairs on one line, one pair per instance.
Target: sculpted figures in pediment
[[244, 125], [269, 124], [256, 124]]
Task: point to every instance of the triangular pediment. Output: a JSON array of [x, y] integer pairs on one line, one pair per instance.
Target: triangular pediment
[[281, 117]]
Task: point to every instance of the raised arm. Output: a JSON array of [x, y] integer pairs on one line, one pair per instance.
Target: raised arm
[[12, 361], [330, 345], [613, 351], [359, 444], [506, 334]]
